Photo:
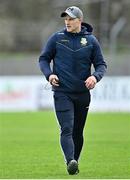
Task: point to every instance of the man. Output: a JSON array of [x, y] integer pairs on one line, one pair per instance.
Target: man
[[73, 51]]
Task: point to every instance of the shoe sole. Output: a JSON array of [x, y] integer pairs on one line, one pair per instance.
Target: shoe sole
[[72, 167]]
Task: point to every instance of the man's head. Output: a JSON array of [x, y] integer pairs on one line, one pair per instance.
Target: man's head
[[73, 18]]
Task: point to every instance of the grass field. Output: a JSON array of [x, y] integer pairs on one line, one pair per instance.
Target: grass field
[[29, 147]]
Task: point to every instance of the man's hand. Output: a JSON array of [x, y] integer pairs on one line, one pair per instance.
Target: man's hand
[[90, 82], [53, 79]]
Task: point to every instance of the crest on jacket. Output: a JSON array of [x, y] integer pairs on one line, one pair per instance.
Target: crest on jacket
[[83, 41]]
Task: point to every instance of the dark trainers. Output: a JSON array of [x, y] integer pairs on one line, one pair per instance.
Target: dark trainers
[[72, 167]]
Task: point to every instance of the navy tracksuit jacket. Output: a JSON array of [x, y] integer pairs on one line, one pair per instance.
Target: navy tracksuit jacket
[[73, 55]]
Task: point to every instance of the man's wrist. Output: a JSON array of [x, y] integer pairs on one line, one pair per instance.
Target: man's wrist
[[48, 76], [95, 78]]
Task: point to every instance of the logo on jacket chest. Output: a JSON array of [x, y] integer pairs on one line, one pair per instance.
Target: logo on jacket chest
[[83, 41]]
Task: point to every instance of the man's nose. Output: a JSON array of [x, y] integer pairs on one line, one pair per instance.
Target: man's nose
[[67, 23]]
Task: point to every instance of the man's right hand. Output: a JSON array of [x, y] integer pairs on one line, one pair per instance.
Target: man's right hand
[[54, 80]]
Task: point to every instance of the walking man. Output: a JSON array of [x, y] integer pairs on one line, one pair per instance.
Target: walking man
[[73, 51]]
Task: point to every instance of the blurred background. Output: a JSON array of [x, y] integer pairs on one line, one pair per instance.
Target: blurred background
[[29, 136], [24, 29]]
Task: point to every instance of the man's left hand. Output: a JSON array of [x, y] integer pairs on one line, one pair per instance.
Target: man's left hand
[[90, 82]]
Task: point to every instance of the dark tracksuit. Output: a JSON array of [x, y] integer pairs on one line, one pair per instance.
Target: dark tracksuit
[[72, 55]]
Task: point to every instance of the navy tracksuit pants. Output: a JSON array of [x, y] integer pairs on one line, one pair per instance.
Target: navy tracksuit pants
[[71, 111]]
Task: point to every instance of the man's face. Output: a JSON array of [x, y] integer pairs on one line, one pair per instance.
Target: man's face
[[72, 25]]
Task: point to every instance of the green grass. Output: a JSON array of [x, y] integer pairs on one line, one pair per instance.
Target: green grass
[[29, 146]]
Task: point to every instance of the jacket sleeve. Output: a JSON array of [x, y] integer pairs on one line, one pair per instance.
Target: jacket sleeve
[[47, 55], [98, 61]]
